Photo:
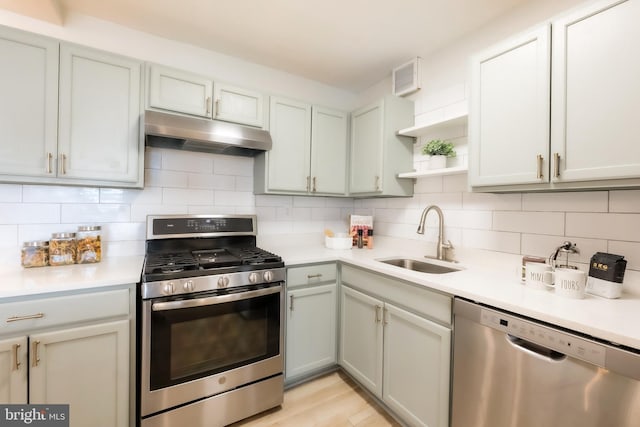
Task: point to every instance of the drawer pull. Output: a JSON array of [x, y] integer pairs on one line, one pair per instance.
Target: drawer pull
[[385, 316], [36, 356], [539, 173], [16, 360], [290, 302], [378, 313], [30, 316], [556, 165], [314, 276]]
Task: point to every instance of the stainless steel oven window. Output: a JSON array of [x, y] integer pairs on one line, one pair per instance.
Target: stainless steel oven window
[[197, 337]]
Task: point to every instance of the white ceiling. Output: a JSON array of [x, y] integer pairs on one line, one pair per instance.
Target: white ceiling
[[349, 44]]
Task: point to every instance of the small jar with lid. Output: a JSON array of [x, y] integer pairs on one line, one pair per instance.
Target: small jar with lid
[[35, 254], [62, 249], [89, 245]]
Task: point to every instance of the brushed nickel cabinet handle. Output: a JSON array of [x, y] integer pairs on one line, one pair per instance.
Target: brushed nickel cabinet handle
[[385, 316], [217, 110], [556, 165], [378, 313], [63, 159], [290, 302], [49, 158], [16, 361], [539, 172], [28, 317], [208, 102], [36, 357], [377, 183], [314, 276], [314, 184], [308, 183]]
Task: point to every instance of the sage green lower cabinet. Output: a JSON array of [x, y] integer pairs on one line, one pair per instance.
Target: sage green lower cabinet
[[73, 349], [395, 340], [310, 320]]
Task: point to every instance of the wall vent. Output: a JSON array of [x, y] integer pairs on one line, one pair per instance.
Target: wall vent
[[406, 78]]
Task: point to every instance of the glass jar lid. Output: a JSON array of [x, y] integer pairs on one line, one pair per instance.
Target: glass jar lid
[[36, 243], [89, 228], [63, 235]]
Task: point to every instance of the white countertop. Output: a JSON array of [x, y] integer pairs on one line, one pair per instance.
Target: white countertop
[[487, 277]]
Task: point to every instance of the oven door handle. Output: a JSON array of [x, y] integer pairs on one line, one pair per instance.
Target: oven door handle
[[218, 299]]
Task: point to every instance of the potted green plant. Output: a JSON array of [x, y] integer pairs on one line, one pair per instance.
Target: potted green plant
[[438, 150]]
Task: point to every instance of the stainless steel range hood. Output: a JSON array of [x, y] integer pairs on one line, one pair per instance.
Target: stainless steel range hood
[[210, 136]]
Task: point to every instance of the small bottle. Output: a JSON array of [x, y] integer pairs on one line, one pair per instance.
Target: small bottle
[[360, 243], [370, 238]]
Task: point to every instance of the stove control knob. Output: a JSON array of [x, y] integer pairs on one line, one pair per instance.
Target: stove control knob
[[253, 277], [267, 276], [168, 288], [188, 286], [223, 282]]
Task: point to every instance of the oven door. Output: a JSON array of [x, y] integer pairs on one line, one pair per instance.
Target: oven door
[[203, 345]]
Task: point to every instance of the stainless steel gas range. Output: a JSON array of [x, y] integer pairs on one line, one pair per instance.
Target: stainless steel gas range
[[210, 334]]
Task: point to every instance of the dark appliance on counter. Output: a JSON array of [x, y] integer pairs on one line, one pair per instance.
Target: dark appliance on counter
[[210, 334], [509, 370]]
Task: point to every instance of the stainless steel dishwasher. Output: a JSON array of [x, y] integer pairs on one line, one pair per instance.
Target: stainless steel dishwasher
[[509, 371]]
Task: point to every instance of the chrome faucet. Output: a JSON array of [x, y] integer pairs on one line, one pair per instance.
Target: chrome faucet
[[441, 244]]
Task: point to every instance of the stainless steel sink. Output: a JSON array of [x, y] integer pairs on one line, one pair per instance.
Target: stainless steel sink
[[421, 266]]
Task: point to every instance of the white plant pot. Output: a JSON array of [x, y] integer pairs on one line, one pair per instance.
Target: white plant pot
[[437, 162]]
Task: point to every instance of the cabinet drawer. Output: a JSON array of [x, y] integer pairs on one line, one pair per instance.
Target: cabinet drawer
[[417, 298], [311, 274], [46, 312]]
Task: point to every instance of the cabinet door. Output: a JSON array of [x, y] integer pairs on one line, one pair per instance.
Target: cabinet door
[[13, 370], [509, 116], [180, 91], [28, 104], [367, 128], [361, 338], [328, 151], [311, 329], [86, 367], [99, 135], [238, 105], [596, 92], [416, 368], [289, 159]]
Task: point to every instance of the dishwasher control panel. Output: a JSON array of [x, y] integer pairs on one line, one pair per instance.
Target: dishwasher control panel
[[569, 344]]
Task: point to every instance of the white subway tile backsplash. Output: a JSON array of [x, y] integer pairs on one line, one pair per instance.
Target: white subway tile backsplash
[[592, 201], [124, 231], [95, 213], [244, 183], [274, 227], [492, 201], [339, 202], [153, 158], [443, 200], [270, 200], [529, 222], [542, 245], [59, 194], [149, 195], [212, 182], [625, 227], [123, 248], [624, 201], [175, 196], [478, 220], [139, 213], [186, 161], [234, 198], [630, 251], [165, 178], [491, 240], [211, 210], [374, 203], [10, 193], [28, 232], [9, 236], [302, 214], [266, 213], [229, 165], [308, 202], [29, 213], [431, 184], [451, 183]]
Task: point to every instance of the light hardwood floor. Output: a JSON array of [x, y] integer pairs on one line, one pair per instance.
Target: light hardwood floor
[[333, 400]]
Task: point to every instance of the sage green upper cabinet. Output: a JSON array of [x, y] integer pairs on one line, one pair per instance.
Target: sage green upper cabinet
[[378, 154], [238, 105], [509, 119], [596, 93], [591, 92], [180, 91], [309, 151], [100, 109], [28, 104], [329, 144]]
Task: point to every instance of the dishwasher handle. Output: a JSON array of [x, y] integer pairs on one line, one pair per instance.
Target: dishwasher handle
[[535, 350]]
